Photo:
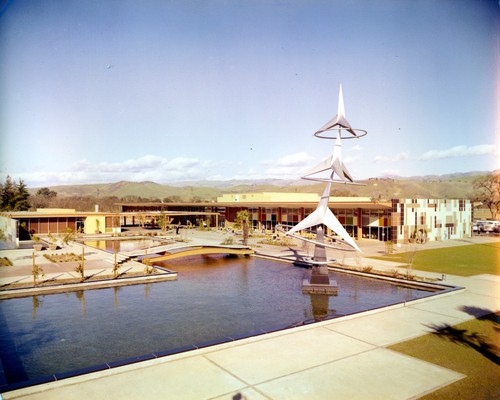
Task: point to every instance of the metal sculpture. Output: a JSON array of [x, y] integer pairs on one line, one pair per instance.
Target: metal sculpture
[[337, 128]]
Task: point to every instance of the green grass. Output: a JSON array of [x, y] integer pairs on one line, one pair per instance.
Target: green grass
[[470, 348], [464, 260]]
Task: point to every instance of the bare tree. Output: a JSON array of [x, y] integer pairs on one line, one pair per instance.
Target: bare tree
[[43, 198], [410, 255], [487, 191]]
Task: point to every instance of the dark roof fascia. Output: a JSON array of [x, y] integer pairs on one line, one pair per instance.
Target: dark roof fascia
[[34, 214], [242, 204]]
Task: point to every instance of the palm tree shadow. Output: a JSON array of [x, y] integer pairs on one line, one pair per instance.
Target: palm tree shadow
[[483, 314], [473, 340]]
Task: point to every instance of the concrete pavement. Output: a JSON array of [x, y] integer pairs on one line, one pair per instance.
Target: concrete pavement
[[62, 277], [344, 358]]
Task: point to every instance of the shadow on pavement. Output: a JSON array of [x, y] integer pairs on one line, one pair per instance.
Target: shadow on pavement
[[473, 340]]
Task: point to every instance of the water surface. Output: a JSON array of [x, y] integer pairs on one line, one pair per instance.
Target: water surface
[[214, 297]]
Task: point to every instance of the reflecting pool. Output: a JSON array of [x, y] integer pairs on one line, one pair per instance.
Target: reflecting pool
[[214, 298], [119, 245]]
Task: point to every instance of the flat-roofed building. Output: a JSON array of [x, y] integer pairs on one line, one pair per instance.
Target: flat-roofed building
[[398, 220], [60, 220]]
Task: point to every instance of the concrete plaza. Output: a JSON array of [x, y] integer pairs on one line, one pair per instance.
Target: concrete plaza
[[345, 358]]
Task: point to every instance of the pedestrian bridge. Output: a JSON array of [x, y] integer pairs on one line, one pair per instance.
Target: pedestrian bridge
[[198, 250]]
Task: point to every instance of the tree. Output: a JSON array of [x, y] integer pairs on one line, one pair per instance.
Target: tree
[[243, 221], [163, 222], [43, 197], [487, 191], [22, 198], [172, 199], [7, 194], [14, 197]]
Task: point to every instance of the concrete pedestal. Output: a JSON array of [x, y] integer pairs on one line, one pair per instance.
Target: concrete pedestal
[[319, 280]]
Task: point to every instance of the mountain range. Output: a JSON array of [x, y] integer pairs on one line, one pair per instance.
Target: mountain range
[[459, 185]]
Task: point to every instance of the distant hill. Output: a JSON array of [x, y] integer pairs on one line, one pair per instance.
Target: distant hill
[[435, 186]]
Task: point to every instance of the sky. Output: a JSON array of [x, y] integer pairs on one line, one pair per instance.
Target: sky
[[181, 90]]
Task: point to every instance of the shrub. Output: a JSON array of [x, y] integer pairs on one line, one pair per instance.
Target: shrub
[[394, 273], [60, 258], [148, 269], [79, 269], [408, 275], [367, 269], [275, 242], [228, 241], [5, 262]]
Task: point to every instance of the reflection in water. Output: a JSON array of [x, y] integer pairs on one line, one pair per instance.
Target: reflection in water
[[117, 245], [116, 289], [213, 298], [319, 303], [36, 303], [80, 295], [146, 292]]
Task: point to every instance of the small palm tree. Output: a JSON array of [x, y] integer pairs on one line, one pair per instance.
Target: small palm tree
[[36, 271], [243, 221]]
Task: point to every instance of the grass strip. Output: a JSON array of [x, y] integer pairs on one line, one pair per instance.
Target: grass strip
[[467, 260], [470, 348]]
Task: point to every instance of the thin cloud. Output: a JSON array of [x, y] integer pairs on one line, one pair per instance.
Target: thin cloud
[[398, 157], [290, 166], [390, 172], [289, 160], [351, 159], [146, 168], [459, 151]]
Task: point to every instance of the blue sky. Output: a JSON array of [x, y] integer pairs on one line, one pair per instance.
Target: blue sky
[[100, 91]]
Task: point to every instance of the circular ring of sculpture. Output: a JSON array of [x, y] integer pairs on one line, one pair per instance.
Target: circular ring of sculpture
[[342, 245], [307, 178], [324, 134]]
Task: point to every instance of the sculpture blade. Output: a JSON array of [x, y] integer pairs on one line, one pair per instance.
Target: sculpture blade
[[340, 119], [323, 215]]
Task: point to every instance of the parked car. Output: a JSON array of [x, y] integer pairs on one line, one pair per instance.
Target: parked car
[[486, 226]]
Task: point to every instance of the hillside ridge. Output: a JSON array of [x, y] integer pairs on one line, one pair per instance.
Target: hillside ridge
[[458, 185]]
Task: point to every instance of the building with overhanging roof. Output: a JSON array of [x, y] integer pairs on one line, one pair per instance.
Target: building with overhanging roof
[[398, 220]]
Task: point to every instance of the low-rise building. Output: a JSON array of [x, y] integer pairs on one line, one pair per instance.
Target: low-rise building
[[398, 220]]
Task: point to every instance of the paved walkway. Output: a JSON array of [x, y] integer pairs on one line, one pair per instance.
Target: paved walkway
[[99, 267], [345, 358]]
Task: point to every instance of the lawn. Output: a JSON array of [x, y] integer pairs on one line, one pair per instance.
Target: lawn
[[467, 260], [470, 348]]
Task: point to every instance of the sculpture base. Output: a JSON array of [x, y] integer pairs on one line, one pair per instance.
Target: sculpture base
[[330, 289], [319, 282]]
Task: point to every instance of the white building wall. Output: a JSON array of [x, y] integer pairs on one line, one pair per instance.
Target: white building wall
[[431, 219], [8, 229]]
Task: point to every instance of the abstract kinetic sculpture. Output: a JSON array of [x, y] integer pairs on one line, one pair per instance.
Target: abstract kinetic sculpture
[[339, 123], [337, 173]]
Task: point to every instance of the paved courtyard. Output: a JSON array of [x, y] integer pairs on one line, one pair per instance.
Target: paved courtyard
[[345, 358]]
